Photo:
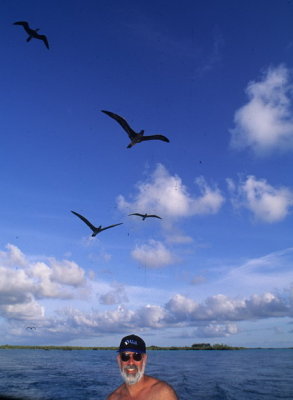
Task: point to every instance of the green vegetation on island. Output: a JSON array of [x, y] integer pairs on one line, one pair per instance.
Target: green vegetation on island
[[198, 346], [195, 346]]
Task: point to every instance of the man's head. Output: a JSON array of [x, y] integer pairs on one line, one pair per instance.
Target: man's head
[[132, 358], [132, 343]]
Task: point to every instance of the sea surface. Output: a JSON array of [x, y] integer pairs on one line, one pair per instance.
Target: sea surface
[[202, 374]]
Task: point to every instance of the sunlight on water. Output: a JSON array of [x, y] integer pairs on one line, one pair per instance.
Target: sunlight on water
[[203, 375]]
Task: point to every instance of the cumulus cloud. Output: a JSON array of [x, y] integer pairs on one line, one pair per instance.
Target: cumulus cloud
[[15, 287], [72, 322], [24, 282], [166, 195], [151, 316], [29, 310], [267, 203], [216, 330], [51, 277], [223, 308], [153, 254], [181, 308], [13, 256], [24, 292], [217, 316], [115, 296], [67, 272], [265, 123]]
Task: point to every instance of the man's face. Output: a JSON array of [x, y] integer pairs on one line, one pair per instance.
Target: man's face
[[132, 366]]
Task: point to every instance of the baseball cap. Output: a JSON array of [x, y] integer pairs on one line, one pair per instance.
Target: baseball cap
[[132, 343]]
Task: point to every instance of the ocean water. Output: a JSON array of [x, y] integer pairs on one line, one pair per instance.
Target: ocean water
[[203, 375]]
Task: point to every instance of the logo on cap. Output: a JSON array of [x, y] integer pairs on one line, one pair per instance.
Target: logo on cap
[[130, 341]]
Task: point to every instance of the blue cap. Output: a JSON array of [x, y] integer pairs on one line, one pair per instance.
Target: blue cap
[[132, 343]]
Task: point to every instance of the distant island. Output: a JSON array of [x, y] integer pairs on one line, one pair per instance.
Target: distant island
[[195, 346]]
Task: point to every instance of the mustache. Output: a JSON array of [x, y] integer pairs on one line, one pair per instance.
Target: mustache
[[130, 368]]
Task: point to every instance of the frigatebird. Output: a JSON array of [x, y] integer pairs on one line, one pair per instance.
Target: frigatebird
[[135, 137], [95, 229], [33, 33], [144, 216]]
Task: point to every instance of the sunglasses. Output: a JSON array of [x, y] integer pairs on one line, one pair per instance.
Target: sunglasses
[[126, 356]]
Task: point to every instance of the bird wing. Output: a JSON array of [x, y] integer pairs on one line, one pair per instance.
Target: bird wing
[[153, 216], [155, 137], [93, 228], [24, 24], [123, 123], [140, 215], [44, 39], [110, 226]]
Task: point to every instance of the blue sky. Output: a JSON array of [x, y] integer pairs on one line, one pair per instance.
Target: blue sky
[[216, 79]]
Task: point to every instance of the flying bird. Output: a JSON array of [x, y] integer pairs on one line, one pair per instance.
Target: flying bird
[[144, 216], [95, 229], [31, 328], [135, 137], [33, 33]]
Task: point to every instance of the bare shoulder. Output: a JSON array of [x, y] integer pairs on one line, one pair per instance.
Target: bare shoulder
[[151, 389], [162, 390], [116, 394], [111, 396]]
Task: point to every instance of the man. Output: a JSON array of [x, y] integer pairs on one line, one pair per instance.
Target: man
[[132, 359]]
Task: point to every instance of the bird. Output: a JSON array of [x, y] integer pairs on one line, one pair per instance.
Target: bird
[[33, 33], [31, 328], [95, 229], [144, 216], [135, 137]]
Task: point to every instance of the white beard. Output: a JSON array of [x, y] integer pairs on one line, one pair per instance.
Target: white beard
[[131, 379]]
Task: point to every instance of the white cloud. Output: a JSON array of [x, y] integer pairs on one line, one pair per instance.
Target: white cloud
[[223, 308], [24, 283], [267, 304], [151, 316], [271, 272], [13, 256], [115, 296], [15, 286], [216, 330], [166, 195], [44, 285], [67, 272], [72, 322], [55, 279], [181, 306], [265, 123], [215, 317], [267, 203], [153, 255], [24, 294], [30, 310]]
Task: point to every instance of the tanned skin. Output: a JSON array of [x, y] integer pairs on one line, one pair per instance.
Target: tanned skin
[[147, 388]]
